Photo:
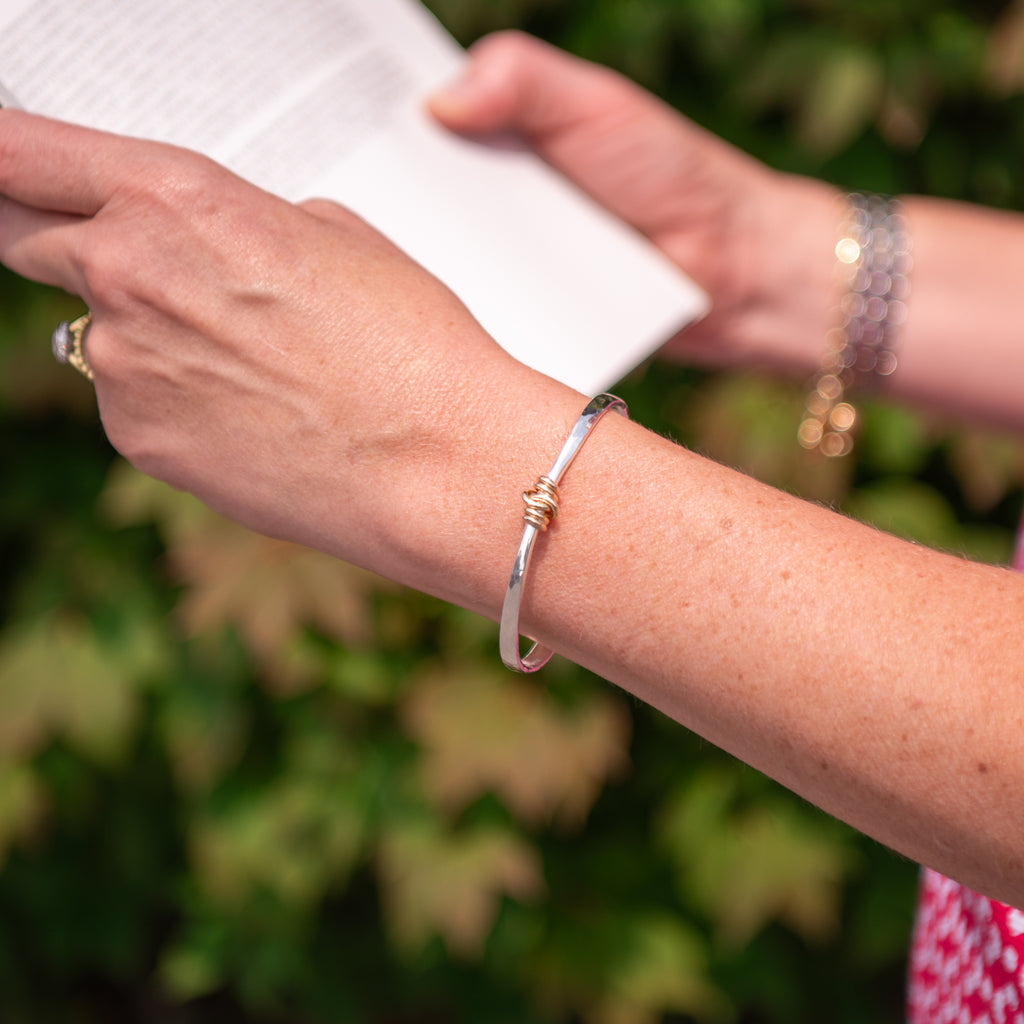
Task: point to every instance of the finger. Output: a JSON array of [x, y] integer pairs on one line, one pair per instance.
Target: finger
[[39, 244], [56, 166], [513, 81]]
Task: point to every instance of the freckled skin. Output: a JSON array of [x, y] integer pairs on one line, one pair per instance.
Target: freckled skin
[[220, 312]]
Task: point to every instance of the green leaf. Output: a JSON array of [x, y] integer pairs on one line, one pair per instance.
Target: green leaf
[[204, 731], [987, 466], [908, 509], [894, 440], [193, 965], [746, 866], [23, 804], [296, 839], [483, 731], [62, 680], [751, 423], [449, 884], [663, 972], [626, 968], [841, 100], [269, 590]]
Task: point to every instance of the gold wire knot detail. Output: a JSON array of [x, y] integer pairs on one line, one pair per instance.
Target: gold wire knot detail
[[541, 503]]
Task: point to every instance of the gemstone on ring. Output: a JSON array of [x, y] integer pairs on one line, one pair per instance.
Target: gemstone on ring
[[61, 342], [68, 344]]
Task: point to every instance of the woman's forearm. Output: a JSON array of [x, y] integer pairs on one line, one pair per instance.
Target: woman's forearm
[[878, 679], [299, 374], [962, 347], [761, 242]]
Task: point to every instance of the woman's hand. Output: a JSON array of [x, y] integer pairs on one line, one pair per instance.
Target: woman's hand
[[297, 372], [286, 364], [759, 242]]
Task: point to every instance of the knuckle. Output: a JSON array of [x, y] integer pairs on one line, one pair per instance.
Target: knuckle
[[325, 209], [129, 248], [104, 265], [178, 180], [110, 269]]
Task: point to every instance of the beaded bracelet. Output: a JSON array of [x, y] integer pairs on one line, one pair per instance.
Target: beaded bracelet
[[541, 507], [875, 252]]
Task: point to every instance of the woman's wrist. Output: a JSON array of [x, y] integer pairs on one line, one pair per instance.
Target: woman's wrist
[[453, 526], [775, 294], [794, 285], [449, 516]]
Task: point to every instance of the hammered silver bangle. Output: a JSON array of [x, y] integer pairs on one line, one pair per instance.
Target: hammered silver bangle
[[541, 507], [874, 253]]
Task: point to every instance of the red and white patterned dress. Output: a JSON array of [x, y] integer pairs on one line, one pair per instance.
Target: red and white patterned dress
[[967, 956]]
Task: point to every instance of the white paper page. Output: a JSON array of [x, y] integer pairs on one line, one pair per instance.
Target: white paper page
[[325, 97]]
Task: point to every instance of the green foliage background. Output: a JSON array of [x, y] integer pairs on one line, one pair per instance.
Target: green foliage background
[[240, 782]]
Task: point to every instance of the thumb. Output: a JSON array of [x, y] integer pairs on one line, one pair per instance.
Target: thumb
[[515, 82]]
